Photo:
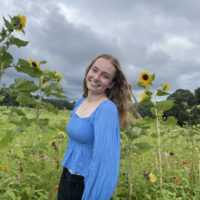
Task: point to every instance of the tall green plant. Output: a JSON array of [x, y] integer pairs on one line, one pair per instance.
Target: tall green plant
[[16, 23], [44, 82], [149, 96]]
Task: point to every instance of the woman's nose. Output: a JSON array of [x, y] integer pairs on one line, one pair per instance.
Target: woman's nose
[[97, 76]]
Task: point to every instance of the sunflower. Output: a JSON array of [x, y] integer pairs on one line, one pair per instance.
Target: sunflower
[[165, 86], [143, 96], [57, 74], [145, 78], [22, 20], [60, 78], [19, 22], [44, 83], [34, 64]]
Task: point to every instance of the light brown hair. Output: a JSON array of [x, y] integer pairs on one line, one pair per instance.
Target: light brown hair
[[121, 93]]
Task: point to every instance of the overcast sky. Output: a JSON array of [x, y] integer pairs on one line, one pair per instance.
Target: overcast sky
[[157, 36]]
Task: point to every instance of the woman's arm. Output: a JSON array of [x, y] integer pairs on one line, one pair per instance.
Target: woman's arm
[[102, 178]]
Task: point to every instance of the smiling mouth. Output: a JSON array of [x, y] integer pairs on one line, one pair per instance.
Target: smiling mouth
[[94, 83]]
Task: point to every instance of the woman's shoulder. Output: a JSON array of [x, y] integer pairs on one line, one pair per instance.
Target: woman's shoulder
[[79, 101], [107, 106]]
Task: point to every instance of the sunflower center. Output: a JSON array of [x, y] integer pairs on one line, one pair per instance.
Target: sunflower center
[[34, 64], [145, 77]]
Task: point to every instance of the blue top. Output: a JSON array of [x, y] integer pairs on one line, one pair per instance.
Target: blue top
[[93, 150]]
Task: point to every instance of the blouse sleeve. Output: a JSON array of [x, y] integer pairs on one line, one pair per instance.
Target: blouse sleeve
[[102, 177]]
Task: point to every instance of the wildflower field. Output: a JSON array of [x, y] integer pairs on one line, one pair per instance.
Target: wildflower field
[[159, 159], [33, 172], [29, 171]]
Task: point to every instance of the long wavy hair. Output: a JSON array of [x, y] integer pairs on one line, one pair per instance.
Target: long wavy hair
[[121, 93]]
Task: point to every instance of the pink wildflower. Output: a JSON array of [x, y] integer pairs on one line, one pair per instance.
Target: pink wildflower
[[17, 176], [39, 156]]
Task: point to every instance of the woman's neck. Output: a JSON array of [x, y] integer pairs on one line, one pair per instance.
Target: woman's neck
[[95, 97]]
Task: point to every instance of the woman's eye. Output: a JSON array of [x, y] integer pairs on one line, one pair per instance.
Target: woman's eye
[[94, 70], [105, 76]]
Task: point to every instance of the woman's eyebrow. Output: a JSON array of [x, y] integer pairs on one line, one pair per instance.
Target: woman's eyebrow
[[102, 71]]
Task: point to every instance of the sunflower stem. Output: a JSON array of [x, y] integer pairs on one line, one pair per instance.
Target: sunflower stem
[[159, 143], [38, 115]]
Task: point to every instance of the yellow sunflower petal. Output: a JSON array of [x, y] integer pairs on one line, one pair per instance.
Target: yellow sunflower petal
[[145, 78], [22, 20], [152, 177], [58, 81], [44, 83], [165, 86], [57, 74], [34, 64], [143, 96]]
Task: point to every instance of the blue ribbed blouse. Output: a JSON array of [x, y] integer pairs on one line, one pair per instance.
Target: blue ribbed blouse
[[93, 150]]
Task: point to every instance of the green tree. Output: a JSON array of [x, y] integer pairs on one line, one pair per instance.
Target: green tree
[[183, 99], [197, 94]]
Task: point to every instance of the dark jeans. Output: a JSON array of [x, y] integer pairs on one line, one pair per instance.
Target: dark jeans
[[71, 186]]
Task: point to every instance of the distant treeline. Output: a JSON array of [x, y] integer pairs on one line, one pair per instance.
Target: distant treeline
[[183, 100], [10, 100]]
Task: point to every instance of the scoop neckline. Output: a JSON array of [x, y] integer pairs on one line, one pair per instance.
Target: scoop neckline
[[92, 111]]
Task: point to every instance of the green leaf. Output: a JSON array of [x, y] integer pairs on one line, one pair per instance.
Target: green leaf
[[3, 34], [43, 123], [51, 108], [8, 25], [153, 110], [140, 85], [164, 105], [51, 88], [153, 77], [134, 133], [25, 99], [9, 136], [143, 146], [42, 62], [24, 66], [57, 95], [146, 100], [6, 58], [9, 193], [170, 121], [18, 111], [22, 84], [161, 93], [14, 118], [19, 43]]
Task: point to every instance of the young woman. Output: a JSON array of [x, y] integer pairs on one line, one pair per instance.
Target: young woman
[[91, 162]]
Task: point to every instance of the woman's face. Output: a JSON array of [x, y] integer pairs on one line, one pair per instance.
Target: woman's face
[[100, 76]]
